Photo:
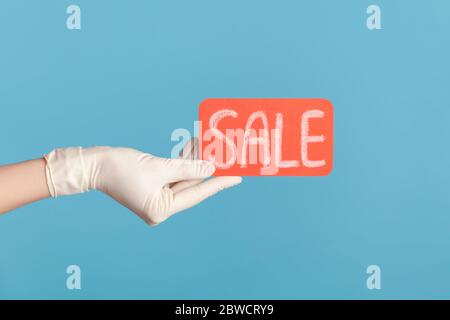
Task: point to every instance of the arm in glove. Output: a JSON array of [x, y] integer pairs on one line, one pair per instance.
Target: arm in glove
[[154, 188]]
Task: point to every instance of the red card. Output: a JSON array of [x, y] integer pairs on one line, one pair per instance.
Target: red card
[[267, 137]]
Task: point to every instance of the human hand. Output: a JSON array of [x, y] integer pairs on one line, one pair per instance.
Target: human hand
[[154, 188]]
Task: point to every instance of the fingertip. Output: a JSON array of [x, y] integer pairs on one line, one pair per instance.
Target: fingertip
[[229, 181], [237, 180]]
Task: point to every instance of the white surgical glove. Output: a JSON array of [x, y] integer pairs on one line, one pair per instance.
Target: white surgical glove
[[154, 188]]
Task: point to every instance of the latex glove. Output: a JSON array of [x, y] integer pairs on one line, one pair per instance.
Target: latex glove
[[154, 188]]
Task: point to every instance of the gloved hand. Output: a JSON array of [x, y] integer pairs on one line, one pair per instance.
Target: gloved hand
[[152, 187]]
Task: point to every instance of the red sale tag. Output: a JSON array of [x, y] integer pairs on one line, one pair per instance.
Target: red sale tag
[[267, 137]]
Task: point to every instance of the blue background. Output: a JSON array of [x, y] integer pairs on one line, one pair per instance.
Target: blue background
[[138, 70]]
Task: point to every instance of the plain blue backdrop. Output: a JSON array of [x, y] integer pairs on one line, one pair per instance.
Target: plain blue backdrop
[[137, 70]]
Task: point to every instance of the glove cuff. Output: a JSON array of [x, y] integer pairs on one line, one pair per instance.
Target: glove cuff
[[66, 172]]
